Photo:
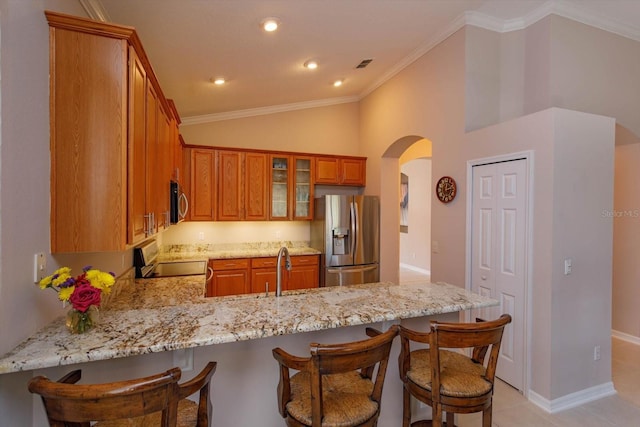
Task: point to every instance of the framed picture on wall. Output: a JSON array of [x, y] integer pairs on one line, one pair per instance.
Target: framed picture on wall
[[404, 203]]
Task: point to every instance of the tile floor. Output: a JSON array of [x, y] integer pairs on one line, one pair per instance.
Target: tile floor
[[511, 409]]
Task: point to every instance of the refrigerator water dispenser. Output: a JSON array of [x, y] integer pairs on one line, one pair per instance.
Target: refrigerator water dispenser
[[340, 241]]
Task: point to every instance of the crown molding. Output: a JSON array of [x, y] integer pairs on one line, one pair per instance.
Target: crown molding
[[95, 10], [564, 8], [261, 111]]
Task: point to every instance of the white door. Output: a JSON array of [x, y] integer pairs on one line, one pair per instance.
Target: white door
[[498, 254]]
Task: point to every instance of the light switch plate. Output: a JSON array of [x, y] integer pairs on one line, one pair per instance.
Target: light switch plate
[[39, 267], [567, 266]]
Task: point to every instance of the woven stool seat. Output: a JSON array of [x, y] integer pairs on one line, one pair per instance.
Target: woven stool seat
[[460, 376], [346, 399]]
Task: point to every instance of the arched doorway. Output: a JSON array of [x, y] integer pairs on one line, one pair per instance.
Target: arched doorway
[[410, 158]]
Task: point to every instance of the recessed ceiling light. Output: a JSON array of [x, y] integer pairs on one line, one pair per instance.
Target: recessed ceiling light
[[312, 65], [219, 81], [270, 24], [338, 83]]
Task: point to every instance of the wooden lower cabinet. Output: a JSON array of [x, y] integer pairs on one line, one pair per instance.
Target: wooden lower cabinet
[[263, 274], [304, 272], [229, 277], [251, 275]]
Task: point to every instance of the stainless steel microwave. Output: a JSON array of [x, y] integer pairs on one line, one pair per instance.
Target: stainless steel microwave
[[179, 203]]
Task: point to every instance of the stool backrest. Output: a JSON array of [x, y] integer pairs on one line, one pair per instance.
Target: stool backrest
[[480, 336], [365, 355], [70, 404]]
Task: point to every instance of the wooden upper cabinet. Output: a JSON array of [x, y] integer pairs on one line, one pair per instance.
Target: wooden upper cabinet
[[242, 186], [280, 186], [230, 185], [340, 171], [137, 169], [353, 172], [302, 187], [202, 187], [102, 140], [89, 90], [256, 187]]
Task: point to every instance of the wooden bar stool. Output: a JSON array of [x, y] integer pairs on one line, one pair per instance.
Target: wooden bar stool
[[156, 400], [339, 385], [449, 381]]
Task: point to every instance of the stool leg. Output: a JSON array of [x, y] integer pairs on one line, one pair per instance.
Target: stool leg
[[450, 420], [436, 417], [486, 417], [406, 408]]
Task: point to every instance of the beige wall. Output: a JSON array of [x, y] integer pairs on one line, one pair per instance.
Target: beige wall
[[596, 71], [427, 100], [332, 130], [214, 232], [583, 188]]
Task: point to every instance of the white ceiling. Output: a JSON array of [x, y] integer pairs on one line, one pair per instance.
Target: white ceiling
[[190, 42]]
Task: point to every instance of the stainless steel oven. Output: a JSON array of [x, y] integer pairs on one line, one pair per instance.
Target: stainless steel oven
[[146, 264]]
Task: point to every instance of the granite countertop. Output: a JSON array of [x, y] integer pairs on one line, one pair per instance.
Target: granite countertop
[[155, 317], [232, 250]]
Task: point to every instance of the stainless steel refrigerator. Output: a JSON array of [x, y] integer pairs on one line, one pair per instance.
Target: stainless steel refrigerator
[[346, 229]]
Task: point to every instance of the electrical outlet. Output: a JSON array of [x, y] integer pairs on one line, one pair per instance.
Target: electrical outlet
[[201, 235], [596, 352], [39, 267]]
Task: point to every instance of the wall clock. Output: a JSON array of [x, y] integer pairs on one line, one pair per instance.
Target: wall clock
[[446, 189]]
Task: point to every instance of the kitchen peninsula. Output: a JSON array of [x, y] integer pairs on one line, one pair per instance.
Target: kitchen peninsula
[[161, 315]]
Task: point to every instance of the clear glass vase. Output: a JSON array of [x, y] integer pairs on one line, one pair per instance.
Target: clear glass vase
[[79, 322]]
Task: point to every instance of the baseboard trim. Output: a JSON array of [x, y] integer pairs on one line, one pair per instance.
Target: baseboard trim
[[625, 337], [573, 399], [414, 268]]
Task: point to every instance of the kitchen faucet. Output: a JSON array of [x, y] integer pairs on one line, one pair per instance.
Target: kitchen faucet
[[287, 265]]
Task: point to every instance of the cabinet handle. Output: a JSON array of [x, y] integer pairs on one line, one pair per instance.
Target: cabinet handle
[[209, 276], [150, 224], [266, 288], [183, 203]]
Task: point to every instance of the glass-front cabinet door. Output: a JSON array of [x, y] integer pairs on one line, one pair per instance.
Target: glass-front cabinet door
[[303, 188], [280, 176]]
